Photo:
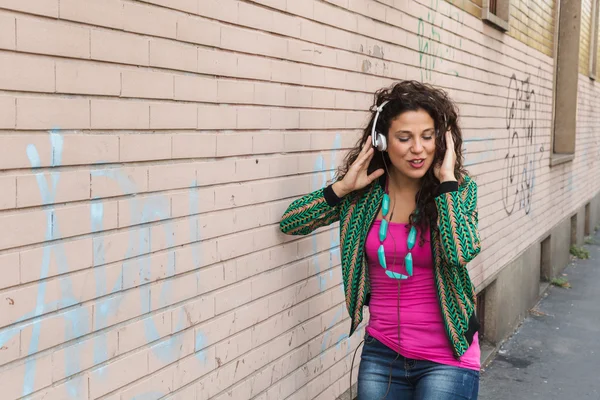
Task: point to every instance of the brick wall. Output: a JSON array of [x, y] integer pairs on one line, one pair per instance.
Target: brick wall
[[148, 149], [586, 31], [532, 22]]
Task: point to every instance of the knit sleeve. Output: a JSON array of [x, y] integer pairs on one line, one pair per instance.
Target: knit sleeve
[[458, 222]]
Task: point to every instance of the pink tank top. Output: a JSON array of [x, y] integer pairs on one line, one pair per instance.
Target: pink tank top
[[422, 332]]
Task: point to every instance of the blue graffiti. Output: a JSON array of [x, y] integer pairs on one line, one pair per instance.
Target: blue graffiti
[[76, 320], [320, 179], [479, 157]]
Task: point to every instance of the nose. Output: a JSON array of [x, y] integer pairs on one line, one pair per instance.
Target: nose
[[417, 146]]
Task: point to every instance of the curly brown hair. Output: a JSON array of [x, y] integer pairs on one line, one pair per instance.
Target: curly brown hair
[[413, 96]]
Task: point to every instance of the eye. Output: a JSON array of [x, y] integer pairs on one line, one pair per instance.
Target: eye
[[428, 137], [403, 140]]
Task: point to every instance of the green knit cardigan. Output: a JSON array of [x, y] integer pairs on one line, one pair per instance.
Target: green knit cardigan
[[454, 243]]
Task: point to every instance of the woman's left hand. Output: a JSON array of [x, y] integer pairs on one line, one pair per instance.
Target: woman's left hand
[[445, 171]]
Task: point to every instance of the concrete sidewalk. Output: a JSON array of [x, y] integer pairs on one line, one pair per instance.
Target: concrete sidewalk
[[555, 354]]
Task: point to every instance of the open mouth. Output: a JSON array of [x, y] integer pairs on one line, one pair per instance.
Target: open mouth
[[417, 163]]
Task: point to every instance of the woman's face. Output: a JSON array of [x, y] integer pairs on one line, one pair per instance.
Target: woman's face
[[411, 143]]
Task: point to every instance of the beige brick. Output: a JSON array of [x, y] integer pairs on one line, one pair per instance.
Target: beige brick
[[173, 55], [234, 144], [195, 88], [108, 13], [187, 288], [219, 63], [235, 91], [198, 30], [173, 116], [239, 344], [301, 8], [75, 387], [99, 149], [119, 308], [8, 192], [8, 111], [192, 313], [194, 145], [232, 297], [147, 84], [143, 147], [176, 347], [269, 94], [268, 143], [114, 247], [251, 66], [47, 8], [287, 25], [144, 209], [107, 378], [133, 335], [26, 228], [80, 77], [216, 117], [249, 41], [13, 381], [120, 114], [118, 181], [175, 176], [9, 265], [190, 202], [149, 20], [253, 118], [78, 220], [78, 256], [8, 39], [119, 47], [237, 38], [289, 72], [51, 113], [224, 173], [86, 353], [150, 387], [313, 31], [187, 393], [52, 37], [71, 186], [256, 17], [223, 10], [299, 97], [194, 367], [26, 73], [183, 5], [285, 119]]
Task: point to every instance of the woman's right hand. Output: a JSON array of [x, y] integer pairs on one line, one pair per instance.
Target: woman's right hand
[[356, 178]]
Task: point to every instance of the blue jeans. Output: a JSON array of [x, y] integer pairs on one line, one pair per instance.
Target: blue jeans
[[411, 379]]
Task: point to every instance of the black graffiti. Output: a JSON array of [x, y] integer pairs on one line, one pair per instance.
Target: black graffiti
[[519, 163]]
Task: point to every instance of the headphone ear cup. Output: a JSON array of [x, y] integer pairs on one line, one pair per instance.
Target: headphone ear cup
[[381, 142]]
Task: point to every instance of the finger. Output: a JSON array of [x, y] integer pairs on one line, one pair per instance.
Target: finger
[[366, 146], [450, 140], [366, 155], [375, 174]]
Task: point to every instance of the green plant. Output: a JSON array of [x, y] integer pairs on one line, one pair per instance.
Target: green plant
[[580, 252], [590, 240], [561, 282]]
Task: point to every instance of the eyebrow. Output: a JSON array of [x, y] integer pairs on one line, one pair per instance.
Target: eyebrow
[[410, 133]]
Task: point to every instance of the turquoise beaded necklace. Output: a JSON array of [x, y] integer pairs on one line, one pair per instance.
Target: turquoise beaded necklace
[[410, 242]]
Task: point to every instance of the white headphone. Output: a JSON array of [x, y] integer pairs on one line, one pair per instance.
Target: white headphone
[[378, 139]]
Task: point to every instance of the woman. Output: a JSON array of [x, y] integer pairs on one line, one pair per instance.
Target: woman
[[408, 228]]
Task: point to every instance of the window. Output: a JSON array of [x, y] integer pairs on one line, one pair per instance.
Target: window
[[496, 13]]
